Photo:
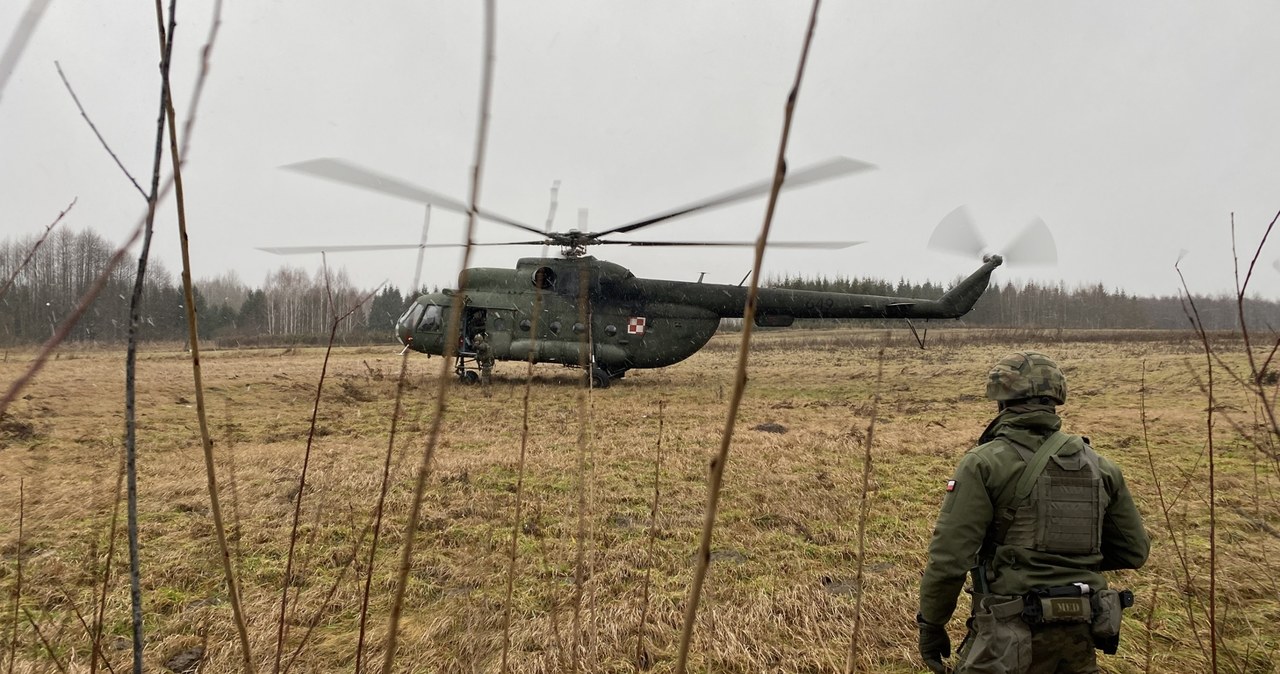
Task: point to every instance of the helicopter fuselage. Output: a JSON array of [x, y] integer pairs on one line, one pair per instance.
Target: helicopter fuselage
[[582, 310]]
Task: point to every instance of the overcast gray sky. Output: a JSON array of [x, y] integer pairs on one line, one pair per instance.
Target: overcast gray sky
[[1133, 129]]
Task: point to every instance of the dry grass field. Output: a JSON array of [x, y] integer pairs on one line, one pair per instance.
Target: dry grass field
[[781, 594]]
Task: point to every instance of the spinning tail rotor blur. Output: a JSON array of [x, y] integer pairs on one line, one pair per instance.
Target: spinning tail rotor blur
[[958, 233]]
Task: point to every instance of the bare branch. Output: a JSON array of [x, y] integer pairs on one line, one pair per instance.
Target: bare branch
[[376, 524], [451, 345], [740, 382], [47, 646], [131, 353], [97, 646], [17, 560], [863, 509], [86, 301], [302, 475], [643, 659], [94, 128], [177, 157], [99, 614], [32, 253], [18, 41], [1165, 509], [1213, 519], [1255, 385]]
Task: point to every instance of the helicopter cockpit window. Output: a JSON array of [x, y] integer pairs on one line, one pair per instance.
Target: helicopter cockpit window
[[433, 319], [411, 316], [544, 278]]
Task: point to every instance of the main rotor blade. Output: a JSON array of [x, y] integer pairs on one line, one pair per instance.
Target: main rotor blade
[[347, 173], [957, 233], [1033, 245], [772, 244], [831, 168], [297, 250]]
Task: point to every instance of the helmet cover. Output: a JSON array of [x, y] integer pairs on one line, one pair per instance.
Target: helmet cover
[[1026, 374]]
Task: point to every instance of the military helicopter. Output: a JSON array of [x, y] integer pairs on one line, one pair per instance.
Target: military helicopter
[[581, 311]]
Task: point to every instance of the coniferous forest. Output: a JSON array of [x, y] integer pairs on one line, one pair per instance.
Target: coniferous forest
[[290, 305]]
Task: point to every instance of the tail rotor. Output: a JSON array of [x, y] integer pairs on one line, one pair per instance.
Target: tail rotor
[[958, 233]]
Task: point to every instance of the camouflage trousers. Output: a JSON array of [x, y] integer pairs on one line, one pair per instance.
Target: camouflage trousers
[[1001, 643]]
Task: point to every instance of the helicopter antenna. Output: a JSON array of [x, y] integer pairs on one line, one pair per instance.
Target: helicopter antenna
[[551, 212], [701, 275], [555, 204], [744, 278]]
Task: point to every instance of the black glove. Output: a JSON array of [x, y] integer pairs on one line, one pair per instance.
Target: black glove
[[935, 645]]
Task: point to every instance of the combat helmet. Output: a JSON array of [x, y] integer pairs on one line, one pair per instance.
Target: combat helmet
[[1026, 374]]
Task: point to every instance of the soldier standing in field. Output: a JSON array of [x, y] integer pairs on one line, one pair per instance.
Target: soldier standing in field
[[1035, 515]]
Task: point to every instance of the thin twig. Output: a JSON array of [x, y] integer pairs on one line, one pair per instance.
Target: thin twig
[[717, 466], [451, 345], [97, 647], [1151, 618], [18, 40], [376, 526], [32, 253], [1165, 509], [554, 610], [580, 536], [230, 454], [642, 654], [94, 129], [863, 510], [1255, 385], [323, 605], [1213, 516], [86, 301], [306, 461], [47, 646], [131, 357], [524, 444], [177, 156], [100, 613], [17, 560]]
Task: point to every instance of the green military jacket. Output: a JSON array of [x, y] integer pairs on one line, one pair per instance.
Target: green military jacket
[[969, 509]]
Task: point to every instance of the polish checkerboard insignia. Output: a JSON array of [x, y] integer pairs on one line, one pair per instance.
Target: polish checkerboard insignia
[[635, 325]]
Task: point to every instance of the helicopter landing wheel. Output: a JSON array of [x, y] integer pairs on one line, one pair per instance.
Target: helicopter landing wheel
[[599, 378], [468, 377]]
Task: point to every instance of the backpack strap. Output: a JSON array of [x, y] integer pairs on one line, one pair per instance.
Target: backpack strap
[[1052, 445], [1005, 506]]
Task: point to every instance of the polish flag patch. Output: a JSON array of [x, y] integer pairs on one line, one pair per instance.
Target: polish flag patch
[[951, 485], [635, 325]]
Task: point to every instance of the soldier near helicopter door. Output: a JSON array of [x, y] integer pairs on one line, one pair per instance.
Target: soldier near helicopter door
[[476, 319], [484, 356], [1034, 515]]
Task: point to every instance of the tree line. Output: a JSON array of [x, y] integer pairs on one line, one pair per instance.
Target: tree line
[[292, 305]]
